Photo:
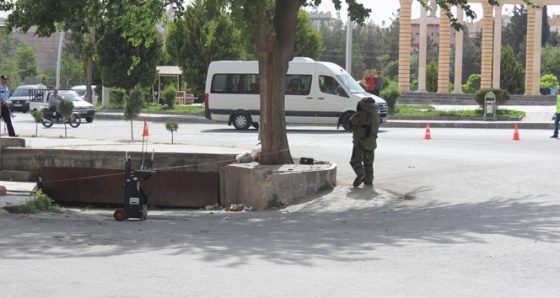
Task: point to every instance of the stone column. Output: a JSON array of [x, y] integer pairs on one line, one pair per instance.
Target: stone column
[[498, 48], [530, 53], [444, 52], [459, 54], [487, 37], [538, 50], [404, 46], [422, 49]]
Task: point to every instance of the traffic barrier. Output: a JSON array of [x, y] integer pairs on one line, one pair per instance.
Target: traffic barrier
[[516, 133]]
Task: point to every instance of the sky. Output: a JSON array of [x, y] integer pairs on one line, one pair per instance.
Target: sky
[[382, 10]]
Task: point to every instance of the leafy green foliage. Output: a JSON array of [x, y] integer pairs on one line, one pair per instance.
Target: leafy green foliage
[[170, 96], [426, 110], [194, 41], [37, 116], [432, 77], [116, 56], [71, 72], [549, 81], [472, 84], [134, 103], [502, 96], [40, 203], [391, 94], [550, 62], [512, 72], [171, 126], [65, 108], [116, 98]]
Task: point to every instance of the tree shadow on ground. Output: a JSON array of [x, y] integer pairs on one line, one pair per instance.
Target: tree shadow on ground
[[282, 237]]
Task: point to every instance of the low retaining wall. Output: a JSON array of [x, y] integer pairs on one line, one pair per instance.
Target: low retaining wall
[[72, 177], [264, 187]]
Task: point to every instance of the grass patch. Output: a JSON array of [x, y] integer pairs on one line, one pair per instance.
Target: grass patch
[[40, 203], [176, 109], [429, 110]]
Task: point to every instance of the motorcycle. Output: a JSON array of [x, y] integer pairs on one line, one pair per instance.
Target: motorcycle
[[49, 119]]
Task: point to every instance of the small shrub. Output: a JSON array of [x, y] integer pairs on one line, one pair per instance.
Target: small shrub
[[391, 94], [116, 98], [170, 96], [549, 81], [40, 203], [502, 96]]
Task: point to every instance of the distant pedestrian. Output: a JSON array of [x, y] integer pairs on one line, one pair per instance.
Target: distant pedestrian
[[556, 116], [369, 81], [5, 110], [378, 83], [365, 126]]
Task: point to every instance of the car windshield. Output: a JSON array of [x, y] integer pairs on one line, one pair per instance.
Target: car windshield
[[21, 92], [80, 91], [69, 95], [351, 85]]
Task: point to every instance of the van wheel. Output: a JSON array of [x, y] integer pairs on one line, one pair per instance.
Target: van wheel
[[345, 121], [241, 121]]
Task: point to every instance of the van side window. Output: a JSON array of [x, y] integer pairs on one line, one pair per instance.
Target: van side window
[[330, 85], [297, 84], [250, 84], [226, 83]]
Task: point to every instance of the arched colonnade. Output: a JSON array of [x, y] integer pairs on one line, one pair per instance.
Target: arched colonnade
[[491, 47]]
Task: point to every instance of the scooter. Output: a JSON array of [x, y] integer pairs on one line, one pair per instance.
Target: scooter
[[49, 119]]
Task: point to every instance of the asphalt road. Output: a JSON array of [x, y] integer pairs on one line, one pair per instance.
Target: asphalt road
[[469, 213]]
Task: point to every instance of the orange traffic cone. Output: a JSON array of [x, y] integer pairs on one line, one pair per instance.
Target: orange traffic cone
[[516, 133], [145, 132], [428, 135]]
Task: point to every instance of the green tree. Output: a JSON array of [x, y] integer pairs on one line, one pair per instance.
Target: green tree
[[515, 33], [170, 96], [65, 108], [550, 62], [194, 41], [27, 65], [473, 84], [71, 72], [308, 42], [132, 107], [431, 77], [116, 53], [37, 116], [513, 74], [549, 81], [85, 18], [171, 126]]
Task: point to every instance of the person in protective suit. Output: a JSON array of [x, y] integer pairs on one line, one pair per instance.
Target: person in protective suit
[[365, 126]]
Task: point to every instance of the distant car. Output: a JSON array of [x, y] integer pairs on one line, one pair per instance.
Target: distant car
[[24, 94], [81, 90], [82, 107]]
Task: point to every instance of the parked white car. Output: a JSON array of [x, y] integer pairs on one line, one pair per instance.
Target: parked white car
[[81, 90]]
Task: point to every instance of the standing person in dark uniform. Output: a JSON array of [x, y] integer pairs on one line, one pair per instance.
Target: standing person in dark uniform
[[365, 126], [378, 82], [5, 110]]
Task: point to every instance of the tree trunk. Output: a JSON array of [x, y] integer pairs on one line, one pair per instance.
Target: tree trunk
[[89, 62], [275, 47]]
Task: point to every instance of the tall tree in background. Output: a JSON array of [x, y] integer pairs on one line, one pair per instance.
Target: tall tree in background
[[85, 18], [309, 42], [114, 54], [550, 63], [27, 65], [515, 33], [194, 41], [431, 77], [513, 74]]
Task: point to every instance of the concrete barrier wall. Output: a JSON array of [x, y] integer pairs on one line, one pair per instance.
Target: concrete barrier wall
[[252, 184], [263, 187]]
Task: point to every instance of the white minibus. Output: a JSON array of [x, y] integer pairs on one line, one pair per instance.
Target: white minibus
[[316, 93]]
